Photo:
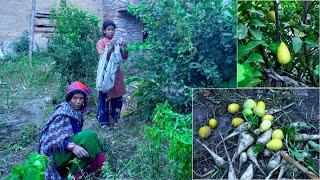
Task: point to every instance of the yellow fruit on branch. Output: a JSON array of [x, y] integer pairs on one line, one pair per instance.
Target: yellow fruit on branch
[[213, 123], [271, 16], [274, 144], [237, 122], [204, 132], [283, 54], [233, 108]]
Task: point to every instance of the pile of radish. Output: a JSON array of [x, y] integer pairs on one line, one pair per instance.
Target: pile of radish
[[269, 139]]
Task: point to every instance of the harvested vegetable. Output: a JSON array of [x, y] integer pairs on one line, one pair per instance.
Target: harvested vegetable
[[277, 134], [265, 137], [253, 157], [266, 153], [259, 111], [274, 161], [213, 123], [231, 173], [233, 108], [248, 174], [306, 137], [245, 141], [219, 161], [265, 125], [274, 144], [204, 132], [237, 122], [243, 159], [247, 112], [314, 145], [267, 117], [249, 104], [261, 104]]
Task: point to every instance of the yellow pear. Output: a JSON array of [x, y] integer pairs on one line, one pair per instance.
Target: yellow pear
[[271, 16], [283, 54]]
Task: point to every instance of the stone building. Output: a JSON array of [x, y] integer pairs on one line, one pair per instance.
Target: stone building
[[15, 19]]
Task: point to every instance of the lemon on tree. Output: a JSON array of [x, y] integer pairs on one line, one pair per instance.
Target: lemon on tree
[[249, 104], [213, 123], [267, 117], [283, 54], [271, 16], [233, 108], [274, 144], [277, 134], [204, 132], [237, 122]]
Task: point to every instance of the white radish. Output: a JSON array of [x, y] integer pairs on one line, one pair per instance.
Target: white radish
[[219, 161], [306, 137], [257, 132], [283, 168], [252, 156], [266, 153], [243, 158], [248, 174], [271, 172], [274, 161], [243, 127], [231, 173], [245, 141], [299, 125], [265, 137]]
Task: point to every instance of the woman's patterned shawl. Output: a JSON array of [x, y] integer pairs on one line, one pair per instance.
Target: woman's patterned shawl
[[56, 130]]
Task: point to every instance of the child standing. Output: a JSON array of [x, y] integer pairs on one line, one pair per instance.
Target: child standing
[[110, 103]]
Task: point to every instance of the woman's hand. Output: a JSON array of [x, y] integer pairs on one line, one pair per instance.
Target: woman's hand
[[80, 152]]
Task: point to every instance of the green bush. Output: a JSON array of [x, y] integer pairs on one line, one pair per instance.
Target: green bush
[[168, 152], [189, 44], [73, 45], [32, 169]]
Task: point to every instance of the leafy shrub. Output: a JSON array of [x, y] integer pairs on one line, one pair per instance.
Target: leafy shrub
[[168, 152], [73, 45], [21, 46], [32, 169], [189, 44]]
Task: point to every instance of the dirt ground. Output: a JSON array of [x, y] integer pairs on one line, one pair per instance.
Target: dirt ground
[[209, 103]]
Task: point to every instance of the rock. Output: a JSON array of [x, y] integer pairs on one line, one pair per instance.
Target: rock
[[8, 48], [1, 53]]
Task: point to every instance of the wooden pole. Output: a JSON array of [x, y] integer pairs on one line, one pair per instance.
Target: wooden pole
[[31, 34]]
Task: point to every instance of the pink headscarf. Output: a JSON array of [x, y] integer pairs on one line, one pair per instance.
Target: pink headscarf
[[80, 87]]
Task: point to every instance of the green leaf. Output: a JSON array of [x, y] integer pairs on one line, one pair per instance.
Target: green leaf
[[255, 57], [297, 44], [242, 31], [273, 47], [256, 34], [244, 49], [259, 12], [298, 33], [240, 73], [256, 22]]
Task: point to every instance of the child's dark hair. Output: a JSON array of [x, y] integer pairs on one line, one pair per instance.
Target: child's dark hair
[[107, 23]]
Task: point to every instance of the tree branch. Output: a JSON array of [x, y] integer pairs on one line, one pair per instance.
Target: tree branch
[[285, 79]]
